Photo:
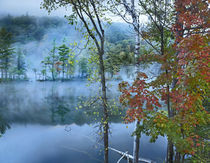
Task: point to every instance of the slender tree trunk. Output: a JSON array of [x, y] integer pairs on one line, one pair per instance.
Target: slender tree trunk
[[63, 73], [2, 74], [136, 54], [6, 74], [171, 113], [6, 67], [104, 97], [183, 158], [53, 77], [170, 152], [136, 144], [178, 157], [137, 41]]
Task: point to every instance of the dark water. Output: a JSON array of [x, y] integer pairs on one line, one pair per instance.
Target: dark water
[[46, 127]]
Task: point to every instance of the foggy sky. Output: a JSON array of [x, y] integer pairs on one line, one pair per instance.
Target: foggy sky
[[22, 7], [32, 7]]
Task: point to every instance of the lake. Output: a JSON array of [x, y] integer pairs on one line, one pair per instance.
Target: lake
[[47, 127]]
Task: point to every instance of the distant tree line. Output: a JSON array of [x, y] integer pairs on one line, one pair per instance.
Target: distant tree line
[[12, 62], [60, 63], [29, 28]]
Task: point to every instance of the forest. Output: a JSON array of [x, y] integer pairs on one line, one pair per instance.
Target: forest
[[61, 60], [88, 88]]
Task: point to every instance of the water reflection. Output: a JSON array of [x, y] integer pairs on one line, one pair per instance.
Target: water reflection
[[57, 105], [44, 144], [42, 103], [47, 128], [3, 126]]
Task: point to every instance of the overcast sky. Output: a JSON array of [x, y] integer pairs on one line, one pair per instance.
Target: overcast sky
[[32, 7]]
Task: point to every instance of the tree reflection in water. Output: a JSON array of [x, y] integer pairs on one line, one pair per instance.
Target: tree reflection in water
[[58, 106], [3, 126]]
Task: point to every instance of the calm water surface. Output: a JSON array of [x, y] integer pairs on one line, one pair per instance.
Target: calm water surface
[[46, 127]]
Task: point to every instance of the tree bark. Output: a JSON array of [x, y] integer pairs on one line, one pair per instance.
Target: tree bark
[[105, 110], [170, 152], [177, 157], [136, 144]]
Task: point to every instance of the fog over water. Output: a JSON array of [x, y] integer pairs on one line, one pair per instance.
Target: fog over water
[[46, 125], [39, 134]]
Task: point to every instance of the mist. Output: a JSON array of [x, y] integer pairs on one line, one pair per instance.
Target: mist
[[37, 50], [32, 7], [58, 117]]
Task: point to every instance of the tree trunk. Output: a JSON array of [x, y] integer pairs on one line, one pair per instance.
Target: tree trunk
[[170, 152], [183, 158], [178, 157], [2, 74], [63, 73], [53, 77], [105, 110], [136, 144], [136, 54], [137, 42], [6, 74]]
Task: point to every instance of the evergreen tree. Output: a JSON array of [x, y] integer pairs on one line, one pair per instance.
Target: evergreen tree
[[63, 57], [20, 63], [83, 67], [6, 52]]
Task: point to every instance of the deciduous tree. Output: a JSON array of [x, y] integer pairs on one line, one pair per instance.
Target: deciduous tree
[[91, 14]]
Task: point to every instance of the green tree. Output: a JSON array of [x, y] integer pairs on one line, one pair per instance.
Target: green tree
[[20, 63], [6, 52], [63, 52], [83, 67], [45, 64], [52, 60], [71, 63], [118, 55]]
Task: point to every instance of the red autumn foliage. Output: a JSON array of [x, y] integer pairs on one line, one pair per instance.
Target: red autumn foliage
[[192, 73], [138, 97]]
